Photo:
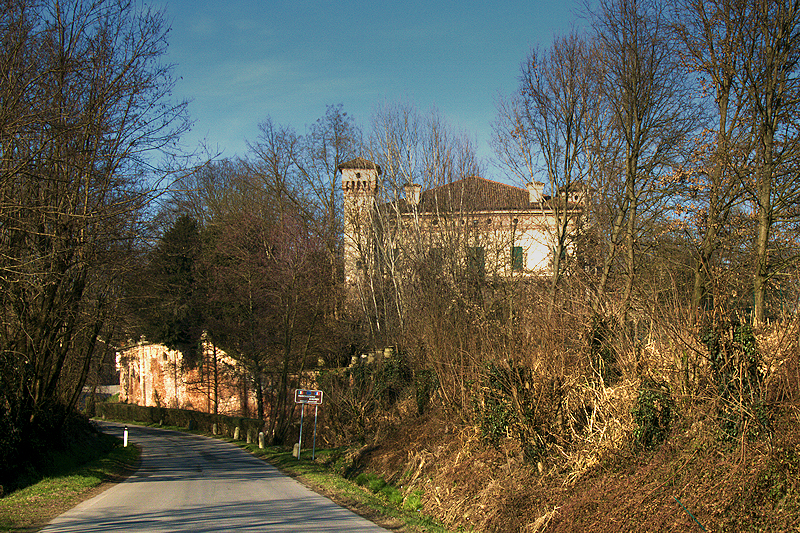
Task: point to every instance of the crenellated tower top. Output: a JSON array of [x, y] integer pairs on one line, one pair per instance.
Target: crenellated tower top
[[359, 177]]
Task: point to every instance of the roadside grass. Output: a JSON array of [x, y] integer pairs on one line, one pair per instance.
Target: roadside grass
[[368, 494], [69, 480]]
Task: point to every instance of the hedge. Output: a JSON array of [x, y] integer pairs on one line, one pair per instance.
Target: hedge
[[225, 425]]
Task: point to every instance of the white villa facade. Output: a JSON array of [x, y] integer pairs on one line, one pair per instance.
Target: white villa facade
[[497, 229]]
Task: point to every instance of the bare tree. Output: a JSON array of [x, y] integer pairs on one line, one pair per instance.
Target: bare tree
[[413, 149], [547, 126], [329, 142], [647, 118], [272, 281], [771, 78], [713, 39], [444, 280], [86, 116]]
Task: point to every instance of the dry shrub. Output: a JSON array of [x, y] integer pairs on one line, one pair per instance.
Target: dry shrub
[[590, 477], [726, 486], [541, 523], [778, 343], [522, 403], [601, 425], [459, 476], [363, 401]]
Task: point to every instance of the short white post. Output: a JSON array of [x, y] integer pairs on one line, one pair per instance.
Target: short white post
[[125, 437]]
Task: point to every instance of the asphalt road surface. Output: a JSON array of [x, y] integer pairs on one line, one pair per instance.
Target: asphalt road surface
[[198, 484]]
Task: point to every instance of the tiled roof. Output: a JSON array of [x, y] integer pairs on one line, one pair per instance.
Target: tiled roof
[[471, 194], [359, 163]]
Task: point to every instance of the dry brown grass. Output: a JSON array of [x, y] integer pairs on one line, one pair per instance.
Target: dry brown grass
[[593, 479], [607, 429]]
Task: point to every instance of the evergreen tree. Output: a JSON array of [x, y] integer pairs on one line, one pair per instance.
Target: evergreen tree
[[174, 316]]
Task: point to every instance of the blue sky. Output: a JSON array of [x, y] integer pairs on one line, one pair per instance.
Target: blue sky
[[242, 61]]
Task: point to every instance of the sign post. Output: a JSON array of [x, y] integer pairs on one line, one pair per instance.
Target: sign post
[[314, 448], [307, 397], [300, 441]]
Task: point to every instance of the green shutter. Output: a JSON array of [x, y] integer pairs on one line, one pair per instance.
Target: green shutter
[[517, 261]]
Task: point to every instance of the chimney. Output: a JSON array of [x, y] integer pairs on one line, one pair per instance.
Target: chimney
[[535, 192], [412, 193]]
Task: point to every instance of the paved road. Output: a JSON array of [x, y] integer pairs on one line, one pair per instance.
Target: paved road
[[198, 484]]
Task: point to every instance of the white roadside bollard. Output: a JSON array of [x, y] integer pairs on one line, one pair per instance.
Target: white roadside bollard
[[125, 437]]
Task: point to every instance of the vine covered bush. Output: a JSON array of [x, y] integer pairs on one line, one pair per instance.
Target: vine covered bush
[[652, 414], [736, 371]]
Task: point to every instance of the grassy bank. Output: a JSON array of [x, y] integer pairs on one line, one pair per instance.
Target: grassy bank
[[69, 479], [332, 473]]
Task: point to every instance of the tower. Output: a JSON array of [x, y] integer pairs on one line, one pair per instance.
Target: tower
[[360, 188]]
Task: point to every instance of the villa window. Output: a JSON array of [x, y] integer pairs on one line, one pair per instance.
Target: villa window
[[517, 259], [476, 260]]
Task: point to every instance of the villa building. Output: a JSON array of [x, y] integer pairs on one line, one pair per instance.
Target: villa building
[[489, 228]]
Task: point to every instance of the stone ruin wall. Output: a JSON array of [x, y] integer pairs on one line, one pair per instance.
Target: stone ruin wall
[[151, 375]]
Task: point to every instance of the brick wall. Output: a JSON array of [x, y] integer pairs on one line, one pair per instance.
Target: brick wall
[[153, 375]]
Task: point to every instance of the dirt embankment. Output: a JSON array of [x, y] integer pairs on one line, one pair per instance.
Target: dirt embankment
[[692, 482]]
